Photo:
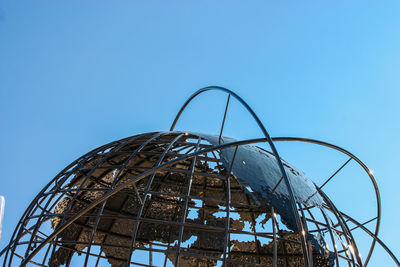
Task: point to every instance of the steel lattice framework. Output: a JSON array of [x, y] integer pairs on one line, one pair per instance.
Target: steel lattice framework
[[189, 199]]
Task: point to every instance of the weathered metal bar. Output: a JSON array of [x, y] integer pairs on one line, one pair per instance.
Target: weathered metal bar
[[185, 207], [223, 120], [228, 202], [336, 172], [145, 195]]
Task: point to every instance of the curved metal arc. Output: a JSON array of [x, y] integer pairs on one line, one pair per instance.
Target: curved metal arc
[[342, 223], [127, 183], [4, 250], [367, 170], [183, 158], [373, 236], [35, 200], [77, 162], [143, 201], [273, 148], [116, 179], [186, 204], [115, 148], [217, 88]]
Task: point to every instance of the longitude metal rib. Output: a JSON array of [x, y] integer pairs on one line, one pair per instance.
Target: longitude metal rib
[[189, 199]]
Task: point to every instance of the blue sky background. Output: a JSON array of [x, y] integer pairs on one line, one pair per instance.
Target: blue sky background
[[75, 75]]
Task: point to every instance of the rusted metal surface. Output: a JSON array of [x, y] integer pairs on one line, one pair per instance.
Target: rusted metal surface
[[205, 207]]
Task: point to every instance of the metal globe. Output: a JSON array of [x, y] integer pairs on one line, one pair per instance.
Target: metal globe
[[187, 199]]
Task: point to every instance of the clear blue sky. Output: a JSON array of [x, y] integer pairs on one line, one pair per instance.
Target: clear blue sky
[[78, 74]]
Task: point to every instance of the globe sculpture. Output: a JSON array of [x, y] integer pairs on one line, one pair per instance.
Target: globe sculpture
[[180, 198]]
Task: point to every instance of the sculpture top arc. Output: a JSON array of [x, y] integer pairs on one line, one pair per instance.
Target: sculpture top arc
[[274, 151], [255, 170], [270, 142]]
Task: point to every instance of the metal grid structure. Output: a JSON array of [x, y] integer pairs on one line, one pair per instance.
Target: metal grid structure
[[188, 199]]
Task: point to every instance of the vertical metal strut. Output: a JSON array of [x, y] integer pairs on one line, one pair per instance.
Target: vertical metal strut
[[185, 207], [228, 206], [144, 198], [223, 120], [289, 187]]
